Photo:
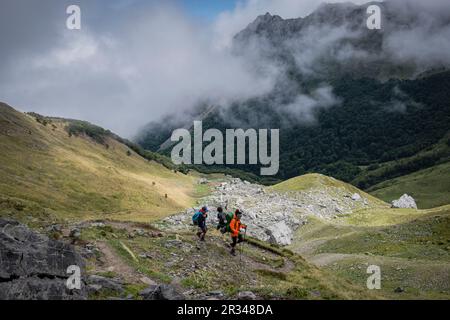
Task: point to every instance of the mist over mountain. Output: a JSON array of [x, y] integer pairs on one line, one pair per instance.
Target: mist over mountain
[[335, 40], [343, 96], [300, 56]]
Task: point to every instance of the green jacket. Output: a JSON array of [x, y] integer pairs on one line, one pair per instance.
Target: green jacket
[[229, 217]]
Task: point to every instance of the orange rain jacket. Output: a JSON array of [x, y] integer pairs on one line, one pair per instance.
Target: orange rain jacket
[[236, 226]]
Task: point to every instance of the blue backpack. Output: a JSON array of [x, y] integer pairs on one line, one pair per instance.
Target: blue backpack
[[195, 218]]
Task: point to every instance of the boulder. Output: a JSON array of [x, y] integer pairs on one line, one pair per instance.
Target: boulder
[[54, 228], [216, 293], [34, 267], [356, 197], [280, 234], [405, 202], [98, 225], [161, 292], [98, 283], [399, 290], [246, 295], [75, 234], [147, 281]]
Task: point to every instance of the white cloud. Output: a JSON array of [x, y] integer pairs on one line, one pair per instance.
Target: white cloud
[[157, 62], [133, 67]]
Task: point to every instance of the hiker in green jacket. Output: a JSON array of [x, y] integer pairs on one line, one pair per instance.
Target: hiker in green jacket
[[225, 226]]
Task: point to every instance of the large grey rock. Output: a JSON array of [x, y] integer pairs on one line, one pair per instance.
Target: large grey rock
[[98, 283], [356, 197], [161, 292], [75, 234], [405, 202], [32, 266], [280, 233]]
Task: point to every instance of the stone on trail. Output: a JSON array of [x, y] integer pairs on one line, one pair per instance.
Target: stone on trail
[[216, 293], [97, 283], [75, 234], [246, 295], [148, 281], [161, 292]]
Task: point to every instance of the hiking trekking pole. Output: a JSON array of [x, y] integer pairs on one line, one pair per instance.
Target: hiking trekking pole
[[241, 247]]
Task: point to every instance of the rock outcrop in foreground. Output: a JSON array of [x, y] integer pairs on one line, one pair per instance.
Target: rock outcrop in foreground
[[34, 267]]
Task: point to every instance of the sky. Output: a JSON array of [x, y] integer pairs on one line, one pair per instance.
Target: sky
[[207, 9], [133, 61]]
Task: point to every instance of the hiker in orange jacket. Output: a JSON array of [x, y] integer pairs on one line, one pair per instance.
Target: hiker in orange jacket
[[235, 227]]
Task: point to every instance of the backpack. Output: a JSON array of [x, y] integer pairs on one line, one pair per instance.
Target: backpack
[[229, 216], [195, 218]]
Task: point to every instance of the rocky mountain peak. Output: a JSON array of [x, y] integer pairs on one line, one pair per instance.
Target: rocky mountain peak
[[263, 22]]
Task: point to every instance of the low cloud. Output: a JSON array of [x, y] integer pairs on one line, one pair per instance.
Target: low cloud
[[303, 109], [148, 64], [135, 61]]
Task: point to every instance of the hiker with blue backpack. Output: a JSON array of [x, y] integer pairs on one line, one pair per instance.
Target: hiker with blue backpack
[[199, 219]]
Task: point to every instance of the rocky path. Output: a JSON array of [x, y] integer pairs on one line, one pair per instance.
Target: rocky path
[[111, 262], [324, 259]]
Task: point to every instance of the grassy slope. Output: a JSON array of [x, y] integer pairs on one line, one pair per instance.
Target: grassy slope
[[430, 187], [412, 247], [319, 181], [44, 171]]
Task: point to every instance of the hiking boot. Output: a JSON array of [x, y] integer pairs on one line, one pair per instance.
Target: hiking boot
[[233, 252]]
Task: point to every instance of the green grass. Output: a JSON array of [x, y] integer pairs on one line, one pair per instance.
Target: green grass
[[425, 237], [315, 181], [419, 279], [201, 190], [430, 187], [46, 172], [412, 247], [307, 181], [378, 173]]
